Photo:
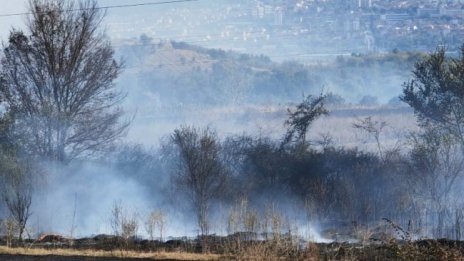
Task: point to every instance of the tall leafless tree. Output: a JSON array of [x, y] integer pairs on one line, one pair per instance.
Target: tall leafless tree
[[56, 79], [199, 170]]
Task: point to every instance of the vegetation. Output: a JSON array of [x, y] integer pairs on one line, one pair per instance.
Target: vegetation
[[198, 170], [301, 118], [61, 105], [269, 250], [436, 94], [227, 77], [57, 82]]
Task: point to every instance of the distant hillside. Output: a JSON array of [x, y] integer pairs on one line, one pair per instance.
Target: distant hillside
[[173, 74]]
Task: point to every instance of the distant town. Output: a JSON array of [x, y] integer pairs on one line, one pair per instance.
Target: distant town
[[303, 28]]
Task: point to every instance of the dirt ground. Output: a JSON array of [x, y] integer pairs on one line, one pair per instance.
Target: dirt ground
[[65, 258]]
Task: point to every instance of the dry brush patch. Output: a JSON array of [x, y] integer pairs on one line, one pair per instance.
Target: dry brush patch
[[107, 254], [266, 250]]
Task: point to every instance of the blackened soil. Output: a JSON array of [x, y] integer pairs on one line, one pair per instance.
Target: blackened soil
[[66, 258]]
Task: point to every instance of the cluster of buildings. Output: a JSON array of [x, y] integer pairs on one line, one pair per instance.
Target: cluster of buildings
[[306, 27], [368, 25]]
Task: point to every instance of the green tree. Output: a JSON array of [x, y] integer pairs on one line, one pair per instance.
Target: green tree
[[436, 93], [300, 119]]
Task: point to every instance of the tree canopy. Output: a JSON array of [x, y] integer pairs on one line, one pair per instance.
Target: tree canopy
[[436, 93], [300, 119]]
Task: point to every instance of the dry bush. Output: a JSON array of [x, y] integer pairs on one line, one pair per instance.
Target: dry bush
[[418, 250], [90, 254], [156, 222], [403, 247], [125, 226], [9, 227], [123, 223], [269, 236]]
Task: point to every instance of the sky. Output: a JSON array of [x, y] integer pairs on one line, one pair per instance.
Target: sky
[[6, 23], [20, 6]]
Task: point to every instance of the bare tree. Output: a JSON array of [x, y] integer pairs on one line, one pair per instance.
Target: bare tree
[[17, 191], [436, 164], [198, 170], [156, 221], [9, 228], [15, 181], [123, 223], [373, 128], [56, 79], [125, 226]]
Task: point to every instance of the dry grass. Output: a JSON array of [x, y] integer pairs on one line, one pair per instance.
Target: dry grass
[[270, 251], [114, 254], [268, 120]]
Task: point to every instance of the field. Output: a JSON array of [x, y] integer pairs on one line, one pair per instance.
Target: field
[[42, 254], [275, 249], [269, 121]]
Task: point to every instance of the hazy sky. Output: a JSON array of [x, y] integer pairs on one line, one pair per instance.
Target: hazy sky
[[6, 23], [20, 6]]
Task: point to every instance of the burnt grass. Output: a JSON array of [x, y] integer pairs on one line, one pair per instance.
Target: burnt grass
[[110, 243], [441, 249], [62, 258]]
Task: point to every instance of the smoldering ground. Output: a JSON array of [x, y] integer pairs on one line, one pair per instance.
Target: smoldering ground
[[77, 200]]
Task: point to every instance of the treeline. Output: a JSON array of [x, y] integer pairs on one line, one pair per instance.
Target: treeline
[[191, 75], [416, 185], [331, 186]]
